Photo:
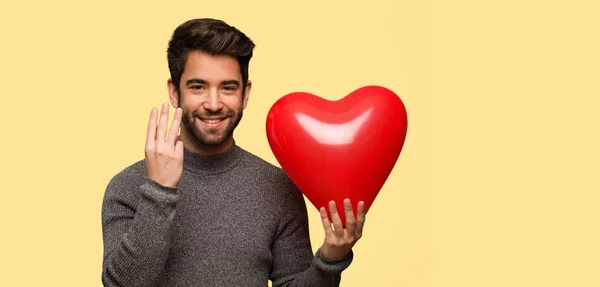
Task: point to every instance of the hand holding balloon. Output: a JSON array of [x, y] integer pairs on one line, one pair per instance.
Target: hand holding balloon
[[339, 240]]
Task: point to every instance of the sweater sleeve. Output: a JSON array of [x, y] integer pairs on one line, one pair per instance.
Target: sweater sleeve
[[294, 264], [137, 215]]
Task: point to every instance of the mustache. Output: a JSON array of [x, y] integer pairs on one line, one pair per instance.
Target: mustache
[[219, 114]]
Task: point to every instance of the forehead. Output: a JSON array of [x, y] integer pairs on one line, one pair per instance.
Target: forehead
[[210, 67]]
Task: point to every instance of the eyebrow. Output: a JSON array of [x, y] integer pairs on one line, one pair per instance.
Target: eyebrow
[[231, 82], [195, 81], [202, 82]]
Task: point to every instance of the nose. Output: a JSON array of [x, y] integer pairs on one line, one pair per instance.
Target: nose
[[213, 103]]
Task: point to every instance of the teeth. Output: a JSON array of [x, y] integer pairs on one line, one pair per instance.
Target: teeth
[[211, 121]]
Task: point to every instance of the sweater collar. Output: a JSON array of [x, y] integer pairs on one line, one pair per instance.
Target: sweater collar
[[212, 164]]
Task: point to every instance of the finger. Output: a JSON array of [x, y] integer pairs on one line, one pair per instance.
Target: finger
[[337, 222], [151, 132], [325, 220], [350, 220], [174, 130], [179, 148], [162, 123], [360, 222]]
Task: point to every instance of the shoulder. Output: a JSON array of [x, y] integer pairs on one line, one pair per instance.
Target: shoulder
[[254, 160], [127, 179], [272, 178], [265, 170], [130, 172]]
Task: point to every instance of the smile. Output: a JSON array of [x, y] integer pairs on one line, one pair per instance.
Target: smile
[[212, 122]]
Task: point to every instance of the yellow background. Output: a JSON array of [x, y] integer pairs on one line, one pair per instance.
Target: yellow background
[[497, 184]]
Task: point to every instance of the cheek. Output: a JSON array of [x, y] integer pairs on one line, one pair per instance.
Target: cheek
[[233, 103], [190, 102]]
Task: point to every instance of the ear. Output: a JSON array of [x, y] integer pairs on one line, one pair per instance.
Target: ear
[[246, 94], [173, 95]]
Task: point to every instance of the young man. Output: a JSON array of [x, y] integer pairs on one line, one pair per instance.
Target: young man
[[200, 210]]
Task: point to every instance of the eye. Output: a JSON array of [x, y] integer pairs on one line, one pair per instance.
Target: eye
[[229, 89], [197, 87]]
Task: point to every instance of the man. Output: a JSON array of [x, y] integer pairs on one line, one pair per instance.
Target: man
[[199, 210]]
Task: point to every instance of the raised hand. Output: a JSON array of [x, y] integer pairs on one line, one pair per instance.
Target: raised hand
[[339, 240], [164, 152]]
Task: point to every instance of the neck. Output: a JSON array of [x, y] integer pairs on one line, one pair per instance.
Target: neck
[[212, 162]]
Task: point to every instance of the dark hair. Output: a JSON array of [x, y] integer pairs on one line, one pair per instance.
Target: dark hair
[[211, 36]]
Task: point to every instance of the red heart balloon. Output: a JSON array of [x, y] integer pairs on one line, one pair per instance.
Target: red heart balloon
[[334, 150]]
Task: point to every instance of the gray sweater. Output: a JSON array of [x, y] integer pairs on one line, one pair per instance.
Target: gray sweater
[[234, 220]]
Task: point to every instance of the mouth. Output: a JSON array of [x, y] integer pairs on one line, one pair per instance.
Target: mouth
[[212, 122]]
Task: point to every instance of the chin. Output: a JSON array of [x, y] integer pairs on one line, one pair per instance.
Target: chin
[[213, 143], [211, 140]]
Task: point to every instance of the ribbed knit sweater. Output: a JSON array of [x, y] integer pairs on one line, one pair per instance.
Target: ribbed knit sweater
[[234, 220]]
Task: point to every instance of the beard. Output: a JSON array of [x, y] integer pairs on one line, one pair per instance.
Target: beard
[[211, 136]]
